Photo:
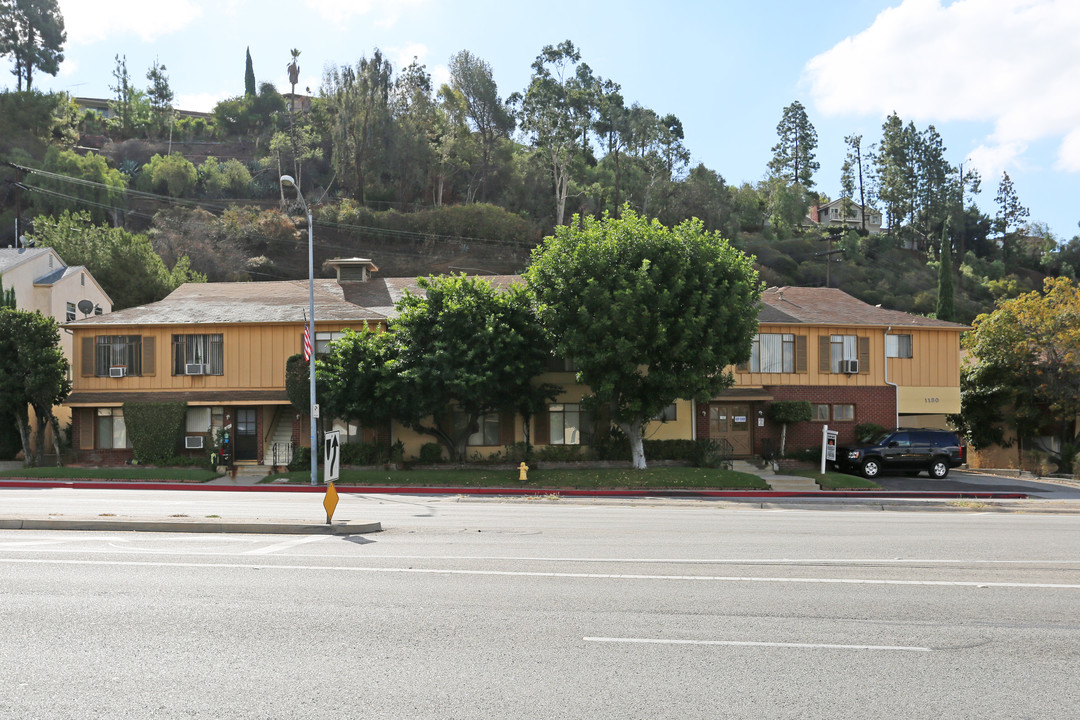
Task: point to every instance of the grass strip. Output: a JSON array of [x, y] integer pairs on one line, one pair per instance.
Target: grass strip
[[667, 478], [193, 475]]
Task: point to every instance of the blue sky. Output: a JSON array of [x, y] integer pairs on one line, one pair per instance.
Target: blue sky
[[999, 79]]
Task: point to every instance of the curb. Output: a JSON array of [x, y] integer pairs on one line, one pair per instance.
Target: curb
[[567, 492], [164, 526]]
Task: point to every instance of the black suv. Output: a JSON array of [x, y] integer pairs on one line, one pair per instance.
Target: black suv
[[908, 450]]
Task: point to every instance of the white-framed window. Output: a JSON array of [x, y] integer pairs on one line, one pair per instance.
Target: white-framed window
[[111, 430], [841, 348], [773, 353], [69, 311], [819, 412], [323, 340], [205, 350], [898, 346], [843, 412], [566, 423], [198, 420]]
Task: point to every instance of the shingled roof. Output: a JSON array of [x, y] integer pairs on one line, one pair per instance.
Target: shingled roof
[[283, 301], [287, 302], [831, 306]]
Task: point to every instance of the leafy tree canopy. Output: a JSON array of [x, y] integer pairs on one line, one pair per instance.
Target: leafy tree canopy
[[34, 372], [1027, 355], [462, 344], [650, 314], [124, 263], [32, 34]]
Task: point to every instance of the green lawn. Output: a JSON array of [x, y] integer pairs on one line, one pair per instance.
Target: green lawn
[[666, 478], [838, 480], [125, 473]]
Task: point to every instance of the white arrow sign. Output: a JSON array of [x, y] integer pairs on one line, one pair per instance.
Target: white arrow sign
[[332, 456]]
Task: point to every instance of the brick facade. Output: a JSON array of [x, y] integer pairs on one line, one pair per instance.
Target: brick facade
[[871, 405]]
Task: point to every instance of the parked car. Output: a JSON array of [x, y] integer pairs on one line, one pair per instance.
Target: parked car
[[909, 450]]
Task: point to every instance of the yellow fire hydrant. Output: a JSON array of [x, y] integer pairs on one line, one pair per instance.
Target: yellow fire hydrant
[[523, 472]]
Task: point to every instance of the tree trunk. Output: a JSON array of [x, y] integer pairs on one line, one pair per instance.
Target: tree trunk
[[637, 446], [783, 438], [22, 422], [55, 425]]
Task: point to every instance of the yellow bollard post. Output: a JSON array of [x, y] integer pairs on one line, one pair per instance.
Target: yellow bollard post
[[523, 472]]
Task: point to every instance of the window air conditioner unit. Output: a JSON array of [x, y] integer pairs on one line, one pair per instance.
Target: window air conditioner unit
[[849, 366], [194, 369], [119, 371], [193, 442]]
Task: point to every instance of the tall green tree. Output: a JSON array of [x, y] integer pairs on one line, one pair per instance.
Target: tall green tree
[[488, 114], [159, 94], [32, 34], [7, 296], [1010, 212], [34, 373], [793, 155], [548, 115], [249, 76], [892, 171], [361, 122], [649, 314], [1025, 355], [461, 346], [852, 173], [124, 263]]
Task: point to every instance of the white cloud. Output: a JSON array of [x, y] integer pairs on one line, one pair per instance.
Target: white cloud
[[1069, 153], [1013, 63], [198, 102], [402, 57], [440, 75], [91, 22], [383, 14]]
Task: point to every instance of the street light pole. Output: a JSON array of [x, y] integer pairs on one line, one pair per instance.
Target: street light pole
[[287, 180]]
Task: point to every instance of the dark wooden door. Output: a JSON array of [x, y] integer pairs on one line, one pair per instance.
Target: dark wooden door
[[247, 434]]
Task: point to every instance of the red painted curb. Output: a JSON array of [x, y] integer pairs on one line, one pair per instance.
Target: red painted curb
[[374, 490]]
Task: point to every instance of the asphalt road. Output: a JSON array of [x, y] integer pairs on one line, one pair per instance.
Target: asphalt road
[[972, 481], [551, 609]]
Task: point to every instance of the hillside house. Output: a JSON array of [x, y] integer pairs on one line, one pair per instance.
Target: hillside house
[[835, 214]]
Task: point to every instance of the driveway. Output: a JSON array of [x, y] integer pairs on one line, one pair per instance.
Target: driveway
[[971, 481]]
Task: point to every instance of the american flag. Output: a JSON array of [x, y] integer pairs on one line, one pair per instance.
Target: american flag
[[307, 343]]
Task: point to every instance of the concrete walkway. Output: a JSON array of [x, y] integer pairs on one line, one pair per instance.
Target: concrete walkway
[[777, 481]]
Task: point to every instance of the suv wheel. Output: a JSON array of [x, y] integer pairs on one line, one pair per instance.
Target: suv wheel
[[939, 468], [871, 468]]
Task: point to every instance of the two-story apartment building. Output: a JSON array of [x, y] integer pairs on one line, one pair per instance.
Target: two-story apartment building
[[44, 283], [221, 348]]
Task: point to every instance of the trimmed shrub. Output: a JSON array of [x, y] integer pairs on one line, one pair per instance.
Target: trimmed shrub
[[431, 453], [155, 430]]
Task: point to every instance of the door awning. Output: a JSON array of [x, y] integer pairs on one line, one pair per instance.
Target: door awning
[[744, 394]]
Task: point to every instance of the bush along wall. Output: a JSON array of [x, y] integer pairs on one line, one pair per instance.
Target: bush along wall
[[155, 430]]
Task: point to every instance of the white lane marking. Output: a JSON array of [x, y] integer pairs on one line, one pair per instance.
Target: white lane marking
[[30, 543], [586, 576], [284, 545], [747, 643]]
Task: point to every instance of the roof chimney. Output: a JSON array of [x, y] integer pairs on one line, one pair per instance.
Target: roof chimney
[[352, 269]]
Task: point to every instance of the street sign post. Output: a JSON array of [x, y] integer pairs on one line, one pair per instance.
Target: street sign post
[[330, 501], [828, 446], [332, 456]]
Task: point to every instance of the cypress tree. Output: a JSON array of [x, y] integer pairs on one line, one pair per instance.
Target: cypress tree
[[7, 297], [946, 309], [249, 77]]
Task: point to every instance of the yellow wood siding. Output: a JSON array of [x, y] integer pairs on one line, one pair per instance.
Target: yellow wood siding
[[254, 357], [935, 360]]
